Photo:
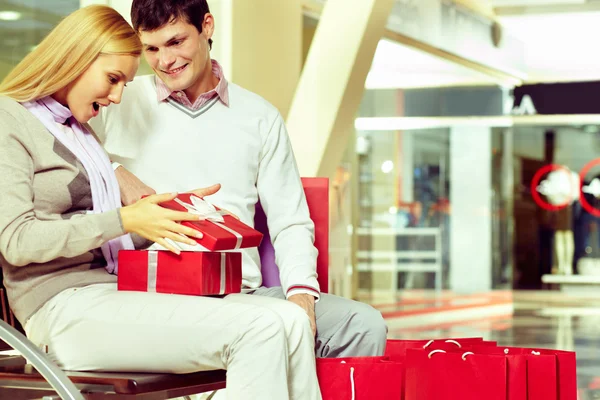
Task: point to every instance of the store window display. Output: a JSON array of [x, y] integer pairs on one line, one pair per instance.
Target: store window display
[[561, 188]]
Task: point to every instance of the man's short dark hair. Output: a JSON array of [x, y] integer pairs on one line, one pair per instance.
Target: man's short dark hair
[[149, 15]]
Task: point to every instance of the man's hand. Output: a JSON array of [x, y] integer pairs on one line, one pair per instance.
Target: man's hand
[[207, 191], [307, 302], [132, 189], [211, 190]]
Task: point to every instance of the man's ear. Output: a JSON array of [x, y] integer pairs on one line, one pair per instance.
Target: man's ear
[[208, 25]]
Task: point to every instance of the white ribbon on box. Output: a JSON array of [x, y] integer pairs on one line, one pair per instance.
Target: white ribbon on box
[[153, 271], [208, 212], [223, 269]]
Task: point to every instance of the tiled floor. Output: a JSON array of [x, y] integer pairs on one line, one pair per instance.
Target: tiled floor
[[540, 319]]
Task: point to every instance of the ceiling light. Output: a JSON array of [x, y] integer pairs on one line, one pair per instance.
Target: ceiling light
[[10, 15], [387, 166], [526, 3], [410, 123]]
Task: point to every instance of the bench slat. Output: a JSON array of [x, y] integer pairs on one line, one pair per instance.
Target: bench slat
[[125, 383]]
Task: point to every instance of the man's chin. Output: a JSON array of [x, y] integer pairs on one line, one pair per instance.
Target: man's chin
[[174, 83]]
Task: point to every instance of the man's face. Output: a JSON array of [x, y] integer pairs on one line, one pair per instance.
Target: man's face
[[178, 53]]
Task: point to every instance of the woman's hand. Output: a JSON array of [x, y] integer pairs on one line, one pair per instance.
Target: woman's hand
[[153, 222]]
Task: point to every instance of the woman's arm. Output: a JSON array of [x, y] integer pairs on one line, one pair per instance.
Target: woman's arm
[[24, 237]]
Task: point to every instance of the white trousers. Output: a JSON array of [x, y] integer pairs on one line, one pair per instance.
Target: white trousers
[[265, 344]]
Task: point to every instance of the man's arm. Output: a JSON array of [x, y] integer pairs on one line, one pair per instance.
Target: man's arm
[[292, 231], [132, 188]]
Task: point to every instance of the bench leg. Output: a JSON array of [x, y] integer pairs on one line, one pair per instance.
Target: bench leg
[[53, 375]]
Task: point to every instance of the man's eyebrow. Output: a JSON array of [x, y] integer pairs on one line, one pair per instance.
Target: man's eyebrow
[[177, 36]]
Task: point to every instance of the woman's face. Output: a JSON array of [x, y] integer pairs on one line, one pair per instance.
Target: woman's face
[[101, 84]]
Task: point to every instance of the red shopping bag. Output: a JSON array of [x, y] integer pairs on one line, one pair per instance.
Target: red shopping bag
[[360, 378], [396, 349], [462, 375], [551, 374]]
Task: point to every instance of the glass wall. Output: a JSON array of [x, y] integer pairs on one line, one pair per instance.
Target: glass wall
[[24, 23], [403, 209], [556, 223], [432, 178], [407, 191]]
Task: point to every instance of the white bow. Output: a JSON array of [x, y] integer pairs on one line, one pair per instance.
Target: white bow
[[207, 212], [203, 208]]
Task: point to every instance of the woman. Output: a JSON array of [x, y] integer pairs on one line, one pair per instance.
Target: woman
[[61, 227]]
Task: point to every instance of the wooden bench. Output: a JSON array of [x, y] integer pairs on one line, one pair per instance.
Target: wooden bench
[[40, 377], [32, 375]]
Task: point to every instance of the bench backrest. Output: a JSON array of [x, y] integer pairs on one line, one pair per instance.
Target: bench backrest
[[317, 197]]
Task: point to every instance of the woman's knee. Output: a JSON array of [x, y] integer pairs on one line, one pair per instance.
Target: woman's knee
[[296, 317], [267, 325]]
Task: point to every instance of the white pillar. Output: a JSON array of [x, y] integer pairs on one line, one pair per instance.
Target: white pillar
[[470, 199], [331, 87]]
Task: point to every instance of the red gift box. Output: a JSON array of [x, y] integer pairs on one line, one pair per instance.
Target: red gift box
[[221, 231], [191, 273]]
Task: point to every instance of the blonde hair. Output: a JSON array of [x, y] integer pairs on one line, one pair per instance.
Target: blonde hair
[[68, 51]]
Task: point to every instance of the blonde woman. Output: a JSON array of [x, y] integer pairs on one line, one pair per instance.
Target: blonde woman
[[61, 227]]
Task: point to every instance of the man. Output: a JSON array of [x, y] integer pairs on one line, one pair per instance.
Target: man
[[188, 127]]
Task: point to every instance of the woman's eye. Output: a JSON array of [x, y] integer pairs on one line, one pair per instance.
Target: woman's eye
[[113, 80]]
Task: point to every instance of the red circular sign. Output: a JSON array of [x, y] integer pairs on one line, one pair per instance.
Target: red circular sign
[[584, 203], [536, 180]]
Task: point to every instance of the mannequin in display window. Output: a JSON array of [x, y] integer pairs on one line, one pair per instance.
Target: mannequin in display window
[[562, 186]]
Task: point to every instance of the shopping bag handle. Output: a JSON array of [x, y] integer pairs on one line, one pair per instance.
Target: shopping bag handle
[[433, 352], [446, 341], [464, 356], [533, 352], [351, 381]]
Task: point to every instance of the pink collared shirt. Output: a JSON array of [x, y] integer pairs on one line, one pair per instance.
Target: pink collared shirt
[[164, 92]]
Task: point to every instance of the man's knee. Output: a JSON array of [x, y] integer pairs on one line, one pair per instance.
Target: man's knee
[[369, 321], [360, 331]]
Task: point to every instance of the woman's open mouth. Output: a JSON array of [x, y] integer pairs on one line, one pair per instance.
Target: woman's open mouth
[[96, 109]]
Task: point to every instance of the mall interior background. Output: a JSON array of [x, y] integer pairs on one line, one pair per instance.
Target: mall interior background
[[449, 161], [432, 190], [454, 134]]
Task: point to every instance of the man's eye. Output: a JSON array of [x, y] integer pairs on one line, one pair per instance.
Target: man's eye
[[151, 49], [113, 80], [177, 42]]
